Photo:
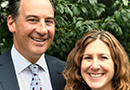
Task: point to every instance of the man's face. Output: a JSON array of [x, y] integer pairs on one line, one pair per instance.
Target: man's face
[[34, 30]]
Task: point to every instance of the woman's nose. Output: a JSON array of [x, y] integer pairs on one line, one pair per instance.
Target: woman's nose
[[95, 66]]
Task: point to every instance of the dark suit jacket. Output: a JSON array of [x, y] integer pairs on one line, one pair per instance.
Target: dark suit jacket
[[8, 80]]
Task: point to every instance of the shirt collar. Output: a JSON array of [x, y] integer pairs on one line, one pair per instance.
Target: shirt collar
[[21, 63]]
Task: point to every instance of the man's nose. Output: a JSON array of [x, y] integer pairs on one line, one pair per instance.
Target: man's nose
[[42, 28]]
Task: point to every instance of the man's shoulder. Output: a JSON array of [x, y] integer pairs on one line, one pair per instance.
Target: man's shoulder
[[55, 60], [5, 56]]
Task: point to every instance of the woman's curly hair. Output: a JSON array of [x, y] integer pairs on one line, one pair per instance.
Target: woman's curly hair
[[74, 80]]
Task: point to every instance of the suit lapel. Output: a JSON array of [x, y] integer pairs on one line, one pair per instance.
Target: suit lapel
[[7, 73], [55, 73]]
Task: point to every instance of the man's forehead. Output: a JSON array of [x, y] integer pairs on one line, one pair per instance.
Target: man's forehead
[[35, 2], [34, 6]]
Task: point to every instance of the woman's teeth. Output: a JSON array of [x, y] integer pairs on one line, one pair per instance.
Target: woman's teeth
[[96, 75]]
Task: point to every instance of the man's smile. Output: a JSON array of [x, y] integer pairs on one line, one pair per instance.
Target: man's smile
[[38, 40]]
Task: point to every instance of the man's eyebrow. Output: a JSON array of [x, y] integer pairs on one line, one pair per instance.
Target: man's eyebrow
[[51, 18], [38, 17], [31, 16]]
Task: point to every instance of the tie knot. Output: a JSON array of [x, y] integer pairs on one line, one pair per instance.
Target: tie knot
[[34, 69]]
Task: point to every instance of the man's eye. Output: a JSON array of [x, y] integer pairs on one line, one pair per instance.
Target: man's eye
[[50, 22], [33, 20]]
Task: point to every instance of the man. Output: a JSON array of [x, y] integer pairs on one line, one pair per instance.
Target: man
[[33, 27]]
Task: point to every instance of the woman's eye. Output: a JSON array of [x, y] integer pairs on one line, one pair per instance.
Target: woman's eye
[[87, 58], [104, 58]]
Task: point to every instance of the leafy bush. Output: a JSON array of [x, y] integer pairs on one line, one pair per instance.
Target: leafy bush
[[75, 18]]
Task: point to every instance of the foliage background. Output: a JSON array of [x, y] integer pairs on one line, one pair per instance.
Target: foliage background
[[76, 17]]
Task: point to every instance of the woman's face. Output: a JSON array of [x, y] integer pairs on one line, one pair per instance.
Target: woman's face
[[97, 66]]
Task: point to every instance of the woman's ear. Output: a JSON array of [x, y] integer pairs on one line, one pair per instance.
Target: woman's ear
[[11, 24]]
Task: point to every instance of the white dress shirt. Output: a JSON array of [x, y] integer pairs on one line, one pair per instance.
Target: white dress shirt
[[23, 73]]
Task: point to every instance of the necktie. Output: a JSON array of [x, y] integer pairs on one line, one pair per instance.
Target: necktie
[[35, 83]]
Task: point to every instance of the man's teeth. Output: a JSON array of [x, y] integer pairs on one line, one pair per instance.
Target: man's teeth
[[39, 40], [95, 75]]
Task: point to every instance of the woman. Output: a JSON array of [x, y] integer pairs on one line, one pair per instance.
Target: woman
[[98, 62]]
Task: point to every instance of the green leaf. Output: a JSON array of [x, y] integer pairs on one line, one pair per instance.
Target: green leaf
[[93, 2], [84, 9], [80, 18], [89, 28], [120, 30], [58, 41], [63, 40], [128, 14], [75, 10], [79, 23], [99, 11], [103, 25], [61, 8], [125, 2], [68, 11], [116, 3], [102, 5], [117, 16]]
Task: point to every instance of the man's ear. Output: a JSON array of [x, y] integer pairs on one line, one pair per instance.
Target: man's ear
[[11, 24]]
